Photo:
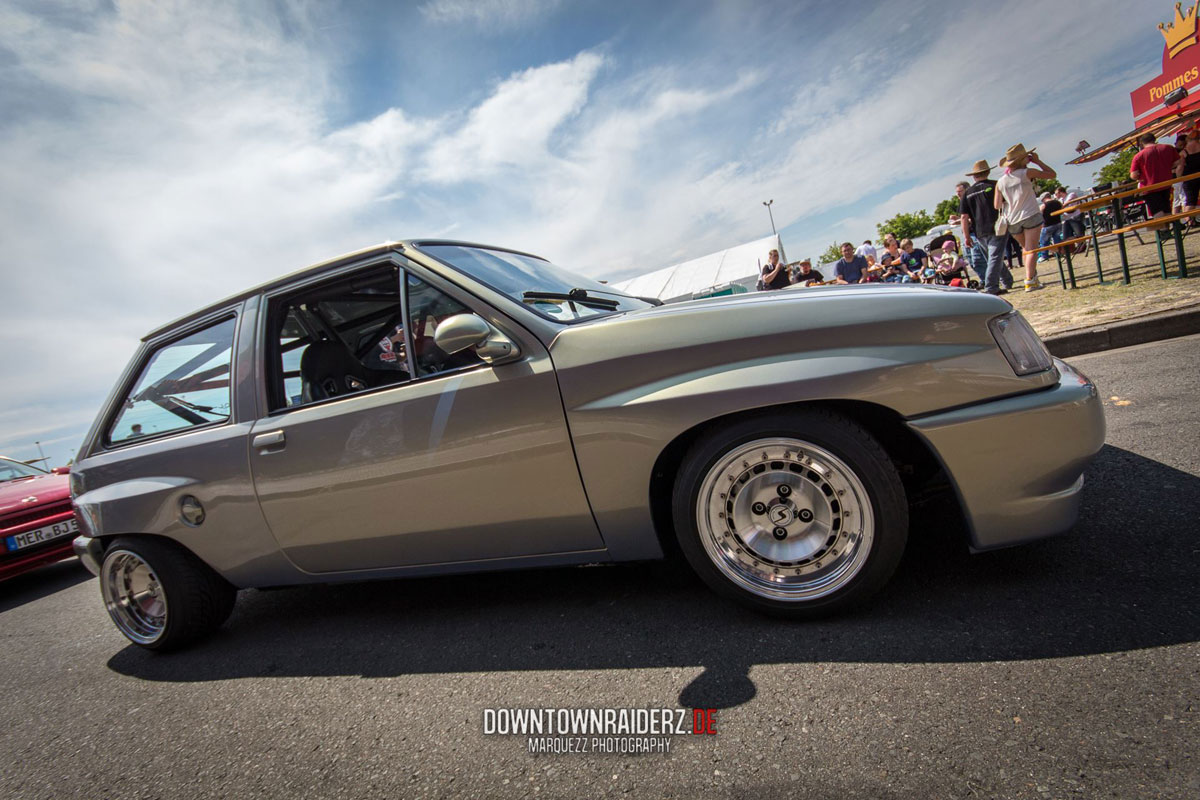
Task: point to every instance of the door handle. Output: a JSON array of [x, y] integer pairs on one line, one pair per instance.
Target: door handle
[[274, 439]]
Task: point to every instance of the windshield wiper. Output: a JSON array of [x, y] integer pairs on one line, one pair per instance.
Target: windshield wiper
[[575, 295], [654, 301]]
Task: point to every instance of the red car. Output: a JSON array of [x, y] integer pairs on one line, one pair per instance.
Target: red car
[[37, 522]]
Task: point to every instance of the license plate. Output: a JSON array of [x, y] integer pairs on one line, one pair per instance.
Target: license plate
[[19, 541]]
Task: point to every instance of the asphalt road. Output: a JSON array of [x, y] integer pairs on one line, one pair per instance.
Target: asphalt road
[[1066, 668]]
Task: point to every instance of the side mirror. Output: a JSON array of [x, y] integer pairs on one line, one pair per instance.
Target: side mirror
[[457, 333], [462, 331], [61, 470]]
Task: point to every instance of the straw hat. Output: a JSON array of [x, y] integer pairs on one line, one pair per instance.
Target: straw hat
[[980, 166], [1015, 154]]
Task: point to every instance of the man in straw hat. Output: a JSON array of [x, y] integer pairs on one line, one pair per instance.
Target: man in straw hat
[[977, 210]]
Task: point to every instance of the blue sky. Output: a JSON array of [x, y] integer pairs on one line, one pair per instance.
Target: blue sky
[[160, 155]]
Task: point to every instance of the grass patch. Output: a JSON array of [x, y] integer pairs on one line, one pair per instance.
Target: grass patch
[[1053, 310]]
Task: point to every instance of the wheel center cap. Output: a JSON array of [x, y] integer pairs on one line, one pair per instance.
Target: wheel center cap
[[781, 515]]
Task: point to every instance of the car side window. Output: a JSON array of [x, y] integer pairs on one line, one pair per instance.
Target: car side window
[[184, 384], [428, 306], [337, 339]]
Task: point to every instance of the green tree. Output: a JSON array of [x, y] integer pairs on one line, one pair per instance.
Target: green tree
[[1117, 169], [908, 225], [1046, 185], [941, 214], [832, 254]]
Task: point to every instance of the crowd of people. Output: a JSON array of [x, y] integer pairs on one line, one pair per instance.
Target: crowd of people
[[1155, 163], [991, 213], [898, 261], [1000, 219]]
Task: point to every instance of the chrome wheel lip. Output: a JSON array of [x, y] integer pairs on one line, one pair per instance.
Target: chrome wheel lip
[[133, 596], [821, 550]]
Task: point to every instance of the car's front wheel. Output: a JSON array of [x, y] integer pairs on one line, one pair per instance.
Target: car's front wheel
[[161, 596], [799, 513]]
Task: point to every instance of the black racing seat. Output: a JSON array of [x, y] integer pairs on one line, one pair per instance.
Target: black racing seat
[[329, 369]]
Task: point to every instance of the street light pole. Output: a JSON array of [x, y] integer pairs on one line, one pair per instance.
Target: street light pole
[[775, 233], [768, 204]]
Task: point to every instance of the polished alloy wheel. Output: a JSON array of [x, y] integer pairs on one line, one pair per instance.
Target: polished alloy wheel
[[785, 519], [133, 596]]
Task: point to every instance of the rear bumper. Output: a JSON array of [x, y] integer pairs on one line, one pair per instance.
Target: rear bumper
[[1017, 463], [90, 552]]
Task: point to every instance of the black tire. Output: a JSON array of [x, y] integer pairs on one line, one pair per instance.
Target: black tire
[[843, 532], [160, 596]]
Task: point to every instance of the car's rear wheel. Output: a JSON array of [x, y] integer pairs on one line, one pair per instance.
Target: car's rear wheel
[[160, 596], [799, 513]]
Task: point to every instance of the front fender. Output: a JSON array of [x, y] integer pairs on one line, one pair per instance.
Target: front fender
[[625, 404]]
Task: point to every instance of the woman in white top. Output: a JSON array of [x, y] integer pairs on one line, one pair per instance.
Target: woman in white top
[[1018, 205]]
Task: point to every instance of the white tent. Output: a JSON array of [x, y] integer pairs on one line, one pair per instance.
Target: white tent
[[736, 265]]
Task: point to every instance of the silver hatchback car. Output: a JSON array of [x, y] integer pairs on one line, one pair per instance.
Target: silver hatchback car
[[427, 407]]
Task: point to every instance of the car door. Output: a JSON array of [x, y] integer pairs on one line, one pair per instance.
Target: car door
[[444, 460]]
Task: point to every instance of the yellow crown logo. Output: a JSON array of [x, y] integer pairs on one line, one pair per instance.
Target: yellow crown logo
[[1181, 33]]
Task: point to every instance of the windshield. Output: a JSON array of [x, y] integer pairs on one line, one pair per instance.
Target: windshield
[[533, 281], [12, 470]]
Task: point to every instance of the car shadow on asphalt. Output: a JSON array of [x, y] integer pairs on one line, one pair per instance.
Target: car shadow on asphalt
[[1123, 579], [41, 582]]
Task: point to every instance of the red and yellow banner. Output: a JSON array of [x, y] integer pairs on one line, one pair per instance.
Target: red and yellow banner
[[1181, 62]]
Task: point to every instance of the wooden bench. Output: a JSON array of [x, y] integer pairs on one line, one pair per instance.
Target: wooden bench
[[1115, 200], [1069, 244], [1158, 221], [1171, 220], [1063, 243], [1101, 199], [1173, 223]]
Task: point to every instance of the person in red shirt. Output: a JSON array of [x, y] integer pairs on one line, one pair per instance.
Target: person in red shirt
[[1154, 163]]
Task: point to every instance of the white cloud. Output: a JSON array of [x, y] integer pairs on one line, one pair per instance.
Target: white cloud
[[189, 145], [384, 144], [512, 127], [488, 13]]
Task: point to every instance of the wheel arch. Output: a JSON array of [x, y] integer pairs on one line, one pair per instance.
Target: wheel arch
[[920, 469], [106, 540]]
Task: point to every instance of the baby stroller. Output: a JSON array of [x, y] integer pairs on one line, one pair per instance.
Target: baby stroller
[[935, 244], [956, 275]]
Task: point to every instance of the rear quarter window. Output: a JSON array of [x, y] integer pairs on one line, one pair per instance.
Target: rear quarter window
[[184, 384]]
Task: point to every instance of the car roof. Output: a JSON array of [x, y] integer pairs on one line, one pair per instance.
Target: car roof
[[397, 245]]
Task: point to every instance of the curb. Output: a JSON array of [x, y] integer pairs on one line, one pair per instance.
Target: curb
[[1110, 336]]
